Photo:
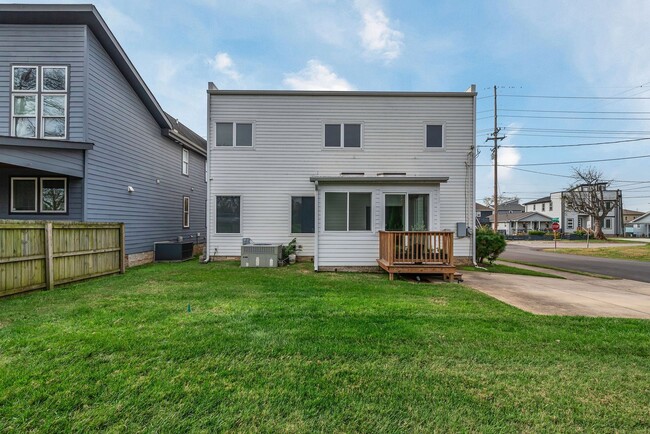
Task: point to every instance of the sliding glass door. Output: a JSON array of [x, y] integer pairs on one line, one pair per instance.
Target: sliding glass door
[[400, 208]]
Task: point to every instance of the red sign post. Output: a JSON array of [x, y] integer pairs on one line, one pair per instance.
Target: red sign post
[[556, 227]]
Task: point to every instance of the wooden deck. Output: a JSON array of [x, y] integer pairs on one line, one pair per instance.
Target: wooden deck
[[417, 252]]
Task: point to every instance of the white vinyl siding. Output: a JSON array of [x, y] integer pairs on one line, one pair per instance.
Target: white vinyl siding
[[289, 149]]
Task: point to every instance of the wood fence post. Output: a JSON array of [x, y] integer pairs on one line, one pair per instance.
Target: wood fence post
[[49, 256], [122, 249]]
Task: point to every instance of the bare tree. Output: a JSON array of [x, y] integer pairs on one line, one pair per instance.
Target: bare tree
[[587, 196], [489, 200]]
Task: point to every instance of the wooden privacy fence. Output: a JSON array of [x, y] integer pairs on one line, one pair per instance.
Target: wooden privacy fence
[[40, 254]]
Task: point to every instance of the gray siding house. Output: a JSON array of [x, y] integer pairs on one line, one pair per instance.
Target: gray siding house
[[83, 138], [338, 170]]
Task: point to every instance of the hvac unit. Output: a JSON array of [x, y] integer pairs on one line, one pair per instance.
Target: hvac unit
[[261, 255], [173, 251]]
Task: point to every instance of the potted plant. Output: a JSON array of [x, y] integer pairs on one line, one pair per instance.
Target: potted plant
[[289, 251]]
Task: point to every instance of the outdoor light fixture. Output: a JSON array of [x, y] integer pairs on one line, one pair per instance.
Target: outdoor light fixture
[[130, 189]]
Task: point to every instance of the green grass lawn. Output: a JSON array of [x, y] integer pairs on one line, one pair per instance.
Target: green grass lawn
[[508, 269], [291, 350], [635, 253]]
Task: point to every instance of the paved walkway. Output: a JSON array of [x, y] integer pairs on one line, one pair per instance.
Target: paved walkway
[[577, 295]]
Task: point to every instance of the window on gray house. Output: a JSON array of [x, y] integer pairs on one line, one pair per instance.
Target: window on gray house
[[244, 134], [228, 214], [24, 193], [53, 195], [39, 101], [343, 135], [543, 207], [186, 212], [185, 165], [302, 214], [550, 206], [434, 136], [234, 134], [224, 134], [608, 223]]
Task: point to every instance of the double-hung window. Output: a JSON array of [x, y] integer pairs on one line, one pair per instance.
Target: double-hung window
[[302, 214], [228, 214], [186, 212], [39, 101], [234, 134], [343, 135], [185, 167], [24, 195], [569, 223], [348, 211]]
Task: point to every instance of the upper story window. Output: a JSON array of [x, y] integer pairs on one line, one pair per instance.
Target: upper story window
[[342, 135], [185, 168], [39, 101], [434, 136], [543, 207], [550, 206], [234, 134]]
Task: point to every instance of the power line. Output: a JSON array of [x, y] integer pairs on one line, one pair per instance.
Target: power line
[[576, 97], [573, 111], [571, 162], [570, 145], [569, 176], [592, 118]]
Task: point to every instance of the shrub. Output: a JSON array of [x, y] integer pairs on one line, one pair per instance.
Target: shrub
[[489, 244], [580, 232], [536, 233]]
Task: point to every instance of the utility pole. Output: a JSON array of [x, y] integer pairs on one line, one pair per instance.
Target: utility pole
[[495, 150]]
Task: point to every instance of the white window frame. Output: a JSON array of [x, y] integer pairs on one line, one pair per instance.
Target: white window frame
[[290, 215], [347, 217], [43, 117], [569, 223], [41, 83], [406, 195], [185, 162], [65, 194], [13, 67], [608, 220], [186, 212], [36, 114], [241, 214], [444, 133], [36, 195], [342, 138], [234, 135]]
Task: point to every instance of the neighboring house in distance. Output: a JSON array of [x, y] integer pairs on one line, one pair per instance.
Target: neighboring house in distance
[[82, 137], [641, 226], [522, 223], [483, 214], [554, 206], [333, 169], [510, 207], [629, 215]]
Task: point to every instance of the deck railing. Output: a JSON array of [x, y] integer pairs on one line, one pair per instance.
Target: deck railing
[[416, 247]]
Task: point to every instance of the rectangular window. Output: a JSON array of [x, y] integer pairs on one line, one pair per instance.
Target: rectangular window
[[608, 223], [186, 212], [53, 195], [434, 137], [418, 212], [185, 165], [234, 134], [395, 212], [400, 208], [302, 214], [24, 193], [543, 207], [348, 211], [343, 135], [569, 223], [39, 101], [228, 214], [550, 206]]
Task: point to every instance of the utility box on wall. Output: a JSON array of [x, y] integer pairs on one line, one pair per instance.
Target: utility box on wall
[[461, 229]]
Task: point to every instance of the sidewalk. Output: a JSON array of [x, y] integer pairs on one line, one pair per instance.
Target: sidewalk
[[577, 295]]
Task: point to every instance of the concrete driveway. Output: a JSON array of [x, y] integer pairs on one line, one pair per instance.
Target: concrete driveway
[[577, 295]]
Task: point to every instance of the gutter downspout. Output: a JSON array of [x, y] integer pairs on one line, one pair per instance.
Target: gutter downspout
[[206, 253], [473, 219], [316, 228]]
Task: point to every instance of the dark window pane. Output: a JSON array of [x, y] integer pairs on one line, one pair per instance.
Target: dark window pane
[[336, 211], [23, 194], [54, 79], [228, 218], [302, 215], [418, 212], [25, 78], [395, 212], [53, 195], [333, 135], [360, 211], [352, 135], [224, 134], [434, 136], [244, 134]]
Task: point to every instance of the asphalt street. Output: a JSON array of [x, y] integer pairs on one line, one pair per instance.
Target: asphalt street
[[633, 270]]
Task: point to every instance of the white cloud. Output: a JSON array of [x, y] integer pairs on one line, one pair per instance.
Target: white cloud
[[120, 23], [223, 64], [316, 76], [378, 38]]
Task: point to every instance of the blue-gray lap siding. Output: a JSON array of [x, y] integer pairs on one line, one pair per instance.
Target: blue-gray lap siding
[[44, 44], [130, 151]]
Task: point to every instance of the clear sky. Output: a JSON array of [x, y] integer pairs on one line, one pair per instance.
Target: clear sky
[[549, 48]]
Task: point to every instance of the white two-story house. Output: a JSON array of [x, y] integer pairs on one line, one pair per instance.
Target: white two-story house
[[335, 170]]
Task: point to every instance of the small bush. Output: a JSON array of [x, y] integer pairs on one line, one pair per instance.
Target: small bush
[[536, 233], [580, 232], [489, 245]]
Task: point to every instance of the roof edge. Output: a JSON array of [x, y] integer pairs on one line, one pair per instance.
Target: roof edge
[[341, 93]]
